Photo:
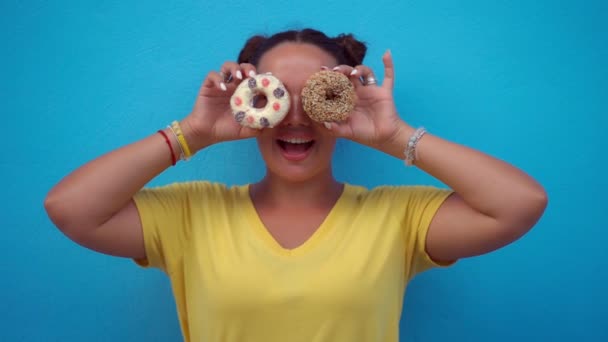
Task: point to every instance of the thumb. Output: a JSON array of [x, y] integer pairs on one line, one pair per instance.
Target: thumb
[[248, 132], [339, 130]]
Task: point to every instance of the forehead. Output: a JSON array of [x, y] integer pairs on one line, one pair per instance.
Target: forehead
[[293, 61]]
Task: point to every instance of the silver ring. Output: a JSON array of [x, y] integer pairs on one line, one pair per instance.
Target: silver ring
[[370, 80]]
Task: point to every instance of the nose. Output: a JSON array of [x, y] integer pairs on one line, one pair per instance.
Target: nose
[[296, 114]]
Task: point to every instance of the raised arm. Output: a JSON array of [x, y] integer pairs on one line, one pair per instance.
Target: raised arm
[[494, 203], [94, 204]]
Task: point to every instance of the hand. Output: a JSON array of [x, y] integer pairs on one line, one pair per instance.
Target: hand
[[211, 120], [374, 120]]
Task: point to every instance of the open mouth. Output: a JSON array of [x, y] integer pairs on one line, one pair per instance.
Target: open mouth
[[295, 148]]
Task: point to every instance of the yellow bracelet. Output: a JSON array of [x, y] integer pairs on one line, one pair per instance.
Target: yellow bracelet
[[181, 139]]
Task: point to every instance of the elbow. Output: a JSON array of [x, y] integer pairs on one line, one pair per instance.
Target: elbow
[[527, 211], [55, 210], [63, 216], [544, 201], [69, 217], [537, 204], [62, 212]]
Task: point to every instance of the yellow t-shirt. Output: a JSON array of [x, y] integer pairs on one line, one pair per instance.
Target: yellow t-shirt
[[233, 282]]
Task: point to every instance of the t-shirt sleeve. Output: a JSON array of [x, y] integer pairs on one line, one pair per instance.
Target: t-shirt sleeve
[[165, 219], [421, 205]]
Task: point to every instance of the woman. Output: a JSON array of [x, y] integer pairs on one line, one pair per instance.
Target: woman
[[297, 256]]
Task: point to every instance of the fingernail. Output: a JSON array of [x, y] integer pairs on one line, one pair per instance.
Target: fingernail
[[222, 86], [354, 72], [251, 73], [323, 67], [239, 74], [327, 125], [336, 68]]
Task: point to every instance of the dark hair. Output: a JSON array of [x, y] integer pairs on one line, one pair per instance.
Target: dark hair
[[344, 47]]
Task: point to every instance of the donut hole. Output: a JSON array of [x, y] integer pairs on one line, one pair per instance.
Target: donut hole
[[331, 94], [259, 101]]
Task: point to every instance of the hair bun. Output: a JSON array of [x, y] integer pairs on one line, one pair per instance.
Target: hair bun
[[251, 47], [344, 47], [354, 50]]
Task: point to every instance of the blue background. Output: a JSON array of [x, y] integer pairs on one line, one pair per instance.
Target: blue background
[[526, 81]]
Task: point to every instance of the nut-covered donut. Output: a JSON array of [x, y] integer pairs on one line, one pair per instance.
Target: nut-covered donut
[[277, 101], [328, 96]]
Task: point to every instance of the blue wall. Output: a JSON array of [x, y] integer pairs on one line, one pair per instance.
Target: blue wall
[[526, 81]]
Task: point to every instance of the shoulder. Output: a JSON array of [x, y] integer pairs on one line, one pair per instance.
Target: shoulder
[[192, 190], [395, 192]]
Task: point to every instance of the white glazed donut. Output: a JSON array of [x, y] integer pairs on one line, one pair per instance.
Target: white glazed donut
[[277, 104]]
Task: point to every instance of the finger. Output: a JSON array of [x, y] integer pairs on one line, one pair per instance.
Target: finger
[[364, 75], [231, 71], [214, 80], [330, 128], [389, 70], [248, 132], [248, 70], [338, 129], [344, 69]]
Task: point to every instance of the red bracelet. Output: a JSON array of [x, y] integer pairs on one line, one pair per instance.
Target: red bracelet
[[168, 144]]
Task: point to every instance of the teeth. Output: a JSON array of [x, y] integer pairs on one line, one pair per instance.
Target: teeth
[[296, 140]]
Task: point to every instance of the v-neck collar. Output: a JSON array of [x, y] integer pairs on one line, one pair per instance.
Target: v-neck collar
[[260, 230]]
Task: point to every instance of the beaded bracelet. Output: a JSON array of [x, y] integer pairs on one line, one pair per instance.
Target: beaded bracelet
[[177, 130], [410, 150]]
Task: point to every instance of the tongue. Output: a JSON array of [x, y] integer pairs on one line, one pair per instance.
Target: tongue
[[295, 148]]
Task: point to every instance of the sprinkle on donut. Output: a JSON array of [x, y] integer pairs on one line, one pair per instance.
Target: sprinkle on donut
[[239, 116], [278, 101], [278, 93]]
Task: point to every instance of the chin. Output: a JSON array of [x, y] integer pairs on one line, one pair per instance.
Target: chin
[[298, 175], [296, 171]]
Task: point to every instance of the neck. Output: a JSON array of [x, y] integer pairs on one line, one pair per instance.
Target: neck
[[321, 190]]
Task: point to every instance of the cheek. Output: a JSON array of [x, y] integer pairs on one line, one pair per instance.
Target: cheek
[[327, 136], [328, 144], [265, 140]]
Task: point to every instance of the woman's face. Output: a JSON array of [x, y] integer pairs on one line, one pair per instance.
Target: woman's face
[[298, 148]]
